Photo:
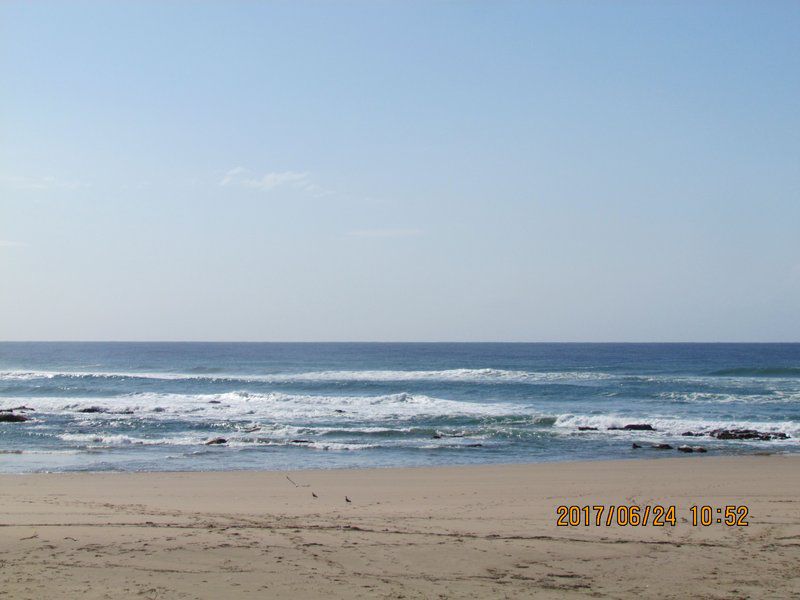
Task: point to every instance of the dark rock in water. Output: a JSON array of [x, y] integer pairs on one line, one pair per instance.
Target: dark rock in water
[[2, 410], [93, 409], [10, 417], [474, 445], [740, 434], [437, 436], [338, 410], [586, 428], [685, 449], [747, 434], [216, 441], [653, 446], [633, 427], [301, 441], [699, 449], [214, 402]]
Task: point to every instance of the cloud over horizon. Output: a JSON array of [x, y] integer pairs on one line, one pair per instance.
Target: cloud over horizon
[[299, 180]]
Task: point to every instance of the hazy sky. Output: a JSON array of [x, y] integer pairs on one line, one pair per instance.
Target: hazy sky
[[532, 171]]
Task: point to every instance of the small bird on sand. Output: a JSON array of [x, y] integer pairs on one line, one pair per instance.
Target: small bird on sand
[[313, 494], [346, 499]]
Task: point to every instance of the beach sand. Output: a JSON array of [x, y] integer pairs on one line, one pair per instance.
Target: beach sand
[[447, 532]]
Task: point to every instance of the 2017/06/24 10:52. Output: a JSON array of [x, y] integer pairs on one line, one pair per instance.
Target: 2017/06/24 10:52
[[656, 515]]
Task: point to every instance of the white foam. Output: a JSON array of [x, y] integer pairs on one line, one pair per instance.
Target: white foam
[[107, 439], [273, 406], [671, 426], [447, 375], [774, 397]]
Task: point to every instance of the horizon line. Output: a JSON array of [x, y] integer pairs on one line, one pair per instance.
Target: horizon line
[[378, 342]]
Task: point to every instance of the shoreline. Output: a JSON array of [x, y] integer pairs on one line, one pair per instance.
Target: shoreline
[[656, 458], [656, 455], [468, 531]]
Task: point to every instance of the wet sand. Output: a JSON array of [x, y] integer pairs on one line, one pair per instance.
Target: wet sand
[[447, 532]]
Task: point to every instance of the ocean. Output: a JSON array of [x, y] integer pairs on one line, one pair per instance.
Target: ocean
[[155, 406]]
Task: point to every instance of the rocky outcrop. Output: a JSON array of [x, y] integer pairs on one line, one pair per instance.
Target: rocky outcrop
[[636, 446], [740, 434], [216, 441], [10, 417], [747, 434]]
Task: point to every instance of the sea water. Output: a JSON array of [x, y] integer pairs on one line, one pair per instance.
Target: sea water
[[154, 406]]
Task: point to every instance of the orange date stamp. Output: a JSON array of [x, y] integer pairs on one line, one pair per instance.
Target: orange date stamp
[[657, 515]]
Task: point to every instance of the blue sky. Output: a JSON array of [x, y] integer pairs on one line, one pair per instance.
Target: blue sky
[[522, 171]]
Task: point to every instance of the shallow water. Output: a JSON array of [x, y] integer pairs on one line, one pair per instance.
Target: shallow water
[[358, 405]]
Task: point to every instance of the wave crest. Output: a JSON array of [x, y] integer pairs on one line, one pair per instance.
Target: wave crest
[[446, 375], [275, 406]]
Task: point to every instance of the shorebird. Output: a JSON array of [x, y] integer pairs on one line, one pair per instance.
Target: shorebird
[[313, 494], [346, 499]]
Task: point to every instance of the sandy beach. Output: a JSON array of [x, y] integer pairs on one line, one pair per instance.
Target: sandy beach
[[449, 532]]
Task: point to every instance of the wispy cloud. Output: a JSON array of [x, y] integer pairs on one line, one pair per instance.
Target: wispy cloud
[[385, 233], [21, 182], [267, 182]]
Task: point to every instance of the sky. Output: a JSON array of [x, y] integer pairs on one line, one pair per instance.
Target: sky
[[400, 171]]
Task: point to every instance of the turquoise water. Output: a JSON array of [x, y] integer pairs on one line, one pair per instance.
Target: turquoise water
[[288, 406]]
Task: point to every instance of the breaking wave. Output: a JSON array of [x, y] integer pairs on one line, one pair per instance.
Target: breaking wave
[[667, 426], [273, 406], [206, 374]]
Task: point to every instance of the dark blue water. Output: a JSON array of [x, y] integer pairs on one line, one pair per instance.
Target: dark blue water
[[155, 405]]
